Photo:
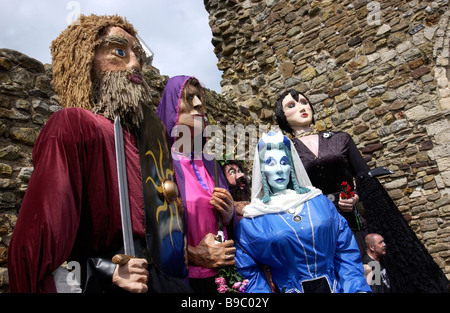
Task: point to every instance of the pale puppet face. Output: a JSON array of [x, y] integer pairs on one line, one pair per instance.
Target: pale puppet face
[[118, 51], [118, 86], [277, 169], [298, 113], [191, 111]]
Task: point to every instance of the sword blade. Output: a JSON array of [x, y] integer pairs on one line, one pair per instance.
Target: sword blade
[[127, 231], [220, 234]]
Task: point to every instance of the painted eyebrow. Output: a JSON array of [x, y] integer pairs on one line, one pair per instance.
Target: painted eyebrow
[[303, 100], [269, 159], [115, 39], [123, 41], [288, 103]]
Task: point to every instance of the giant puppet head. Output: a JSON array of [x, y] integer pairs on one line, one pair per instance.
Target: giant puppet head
[[237, 180], [97, 63], [277, 167]]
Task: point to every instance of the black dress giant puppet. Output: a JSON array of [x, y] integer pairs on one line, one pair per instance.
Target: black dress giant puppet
[[72, 208], [331, 158]]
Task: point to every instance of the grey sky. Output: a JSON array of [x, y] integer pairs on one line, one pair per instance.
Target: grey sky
[[177, 31]]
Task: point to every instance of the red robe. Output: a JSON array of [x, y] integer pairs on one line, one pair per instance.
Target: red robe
[[71, 207]]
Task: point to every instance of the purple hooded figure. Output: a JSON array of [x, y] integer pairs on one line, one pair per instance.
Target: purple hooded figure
[[206, 205]]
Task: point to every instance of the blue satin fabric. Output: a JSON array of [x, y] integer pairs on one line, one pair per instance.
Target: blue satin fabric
[[321, 244]]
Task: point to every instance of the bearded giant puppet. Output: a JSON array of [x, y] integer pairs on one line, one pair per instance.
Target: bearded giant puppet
[[71, 210]]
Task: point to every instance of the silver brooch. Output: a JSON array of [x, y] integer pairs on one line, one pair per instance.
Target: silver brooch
[[297, 218]]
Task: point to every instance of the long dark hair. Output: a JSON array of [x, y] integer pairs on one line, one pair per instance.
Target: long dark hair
[[279, 113]]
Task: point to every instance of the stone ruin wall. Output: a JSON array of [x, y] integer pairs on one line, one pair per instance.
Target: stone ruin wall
[[385, 86], [378, 70]]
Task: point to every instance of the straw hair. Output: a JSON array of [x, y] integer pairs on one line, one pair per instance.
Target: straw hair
[[72, 55]]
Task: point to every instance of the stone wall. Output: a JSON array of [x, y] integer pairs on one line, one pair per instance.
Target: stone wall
[[27, 100], [378, 70]]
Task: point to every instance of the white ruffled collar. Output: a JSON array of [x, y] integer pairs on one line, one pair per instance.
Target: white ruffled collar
[[280, 202]]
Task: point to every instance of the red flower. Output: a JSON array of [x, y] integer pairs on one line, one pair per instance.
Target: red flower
[[346, 192]]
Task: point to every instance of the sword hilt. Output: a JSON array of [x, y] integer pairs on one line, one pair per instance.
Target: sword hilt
[[121, 259]]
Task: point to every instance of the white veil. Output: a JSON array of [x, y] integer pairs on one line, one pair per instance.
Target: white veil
[[286, 200]]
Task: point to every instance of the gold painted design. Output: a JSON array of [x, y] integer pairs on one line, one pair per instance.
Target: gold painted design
[[164, 175]]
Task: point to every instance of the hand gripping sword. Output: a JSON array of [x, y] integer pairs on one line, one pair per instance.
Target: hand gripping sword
[[127, 230]]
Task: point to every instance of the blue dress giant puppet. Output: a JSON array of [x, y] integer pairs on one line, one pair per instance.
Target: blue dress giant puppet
[[293, 229]]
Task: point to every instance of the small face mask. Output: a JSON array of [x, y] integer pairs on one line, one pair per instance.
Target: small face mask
[[298, 112], [277, 169]]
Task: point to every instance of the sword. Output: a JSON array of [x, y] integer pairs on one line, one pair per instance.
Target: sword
[[220, 236], [127, 232]]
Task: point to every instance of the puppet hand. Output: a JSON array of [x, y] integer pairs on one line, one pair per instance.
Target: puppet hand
[[223, 202], [132, 276], [209, 254], [239, 206], [346, 205]]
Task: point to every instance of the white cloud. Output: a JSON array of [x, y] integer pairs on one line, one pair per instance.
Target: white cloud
[[176, 30]]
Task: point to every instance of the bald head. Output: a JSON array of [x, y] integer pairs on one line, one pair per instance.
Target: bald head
[[375, 245]]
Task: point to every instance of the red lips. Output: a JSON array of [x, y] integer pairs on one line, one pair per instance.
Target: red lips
[[136, 78]]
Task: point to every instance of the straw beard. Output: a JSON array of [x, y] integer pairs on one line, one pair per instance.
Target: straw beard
[[115, 95]]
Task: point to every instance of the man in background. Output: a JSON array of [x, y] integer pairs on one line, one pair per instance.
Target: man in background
[[374, 271]]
